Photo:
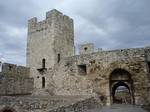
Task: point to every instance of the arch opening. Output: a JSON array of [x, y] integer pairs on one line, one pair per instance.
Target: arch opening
[[121, 93], [121, 87]]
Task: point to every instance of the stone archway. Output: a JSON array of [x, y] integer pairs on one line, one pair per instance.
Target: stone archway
[[121, 93], [121, 78]]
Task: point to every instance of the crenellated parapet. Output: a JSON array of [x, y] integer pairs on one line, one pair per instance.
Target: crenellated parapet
[[12, 70], [15, 80], [53, 19]]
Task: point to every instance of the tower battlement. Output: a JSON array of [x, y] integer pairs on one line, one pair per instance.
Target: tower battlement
[[53, 12], [53, 18]]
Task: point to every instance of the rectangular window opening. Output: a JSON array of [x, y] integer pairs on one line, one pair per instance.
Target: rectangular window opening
[[10, 68], [82, 70], [43, 63], [58, 58], [148, 66], [43, 82], [0, 67]]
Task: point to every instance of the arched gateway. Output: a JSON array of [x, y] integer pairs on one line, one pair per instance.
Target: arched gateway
[[121, 87]]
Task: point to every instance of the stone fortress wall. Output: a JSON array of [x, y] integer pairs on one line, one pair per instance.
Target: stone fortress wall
[[86, 74], [16, 94], [14, 70], [90, 73], [15, 80], [56, 79]]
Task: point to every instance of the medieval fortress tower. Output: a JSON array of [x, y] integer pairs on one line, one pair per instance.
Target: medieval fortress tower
[[55, 76], [48, 42]]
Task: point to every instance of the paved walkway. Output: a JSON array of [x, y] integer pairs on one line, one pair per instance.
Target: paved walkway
[[119, 108]]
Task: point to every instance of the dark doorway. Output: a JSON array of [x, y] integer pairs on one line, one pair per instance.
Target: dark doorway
[[121, 87], [43, 82]]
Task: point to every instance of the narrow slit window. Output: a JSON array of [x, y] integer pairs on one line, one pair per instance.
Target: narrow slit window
[[0, 67], [43, 63], [43, 82], [58, 60], [148, 66]]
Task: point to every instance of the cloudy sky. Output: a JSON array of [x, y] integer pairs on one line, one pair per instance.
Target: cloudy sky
[[109, 24]]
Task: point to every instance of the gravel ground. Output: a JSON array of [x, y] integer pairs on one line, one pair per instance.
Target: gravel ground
[[119, 108]]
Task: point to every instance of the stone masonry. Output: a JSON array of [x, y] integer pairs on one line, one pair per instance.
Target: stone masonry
[[15, 80], [49, 41], [57, 80], [86, 74]]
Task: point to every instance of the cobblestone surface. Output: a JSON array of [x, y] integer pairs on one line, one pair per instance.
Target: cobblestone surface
[[119, 108]]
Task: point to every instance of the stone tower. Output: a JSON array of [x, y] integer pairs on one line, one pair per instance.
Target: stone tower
[[48, 42], [86, 48]]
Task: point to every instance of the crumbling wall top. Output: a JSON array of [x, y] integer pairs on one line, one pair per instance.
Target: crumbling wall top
[[12, 70], [114, 55], [32, 20], [52, 13], [52, 17]]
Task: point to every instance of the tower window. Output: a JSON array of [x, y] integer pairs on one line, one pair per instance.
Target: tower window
[[85, 48], [0, 67], [43, 63], [148, 66], [58, 58], [43, 82], [82, 70], [10, 68]]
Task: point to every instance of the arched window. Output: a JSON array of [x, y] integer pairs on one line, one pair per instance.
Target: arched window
[[85, 49], [43, 82]]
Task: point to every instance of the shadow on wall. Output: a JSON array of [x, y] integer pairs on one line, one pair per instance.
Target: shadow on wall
[[8, 109]]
